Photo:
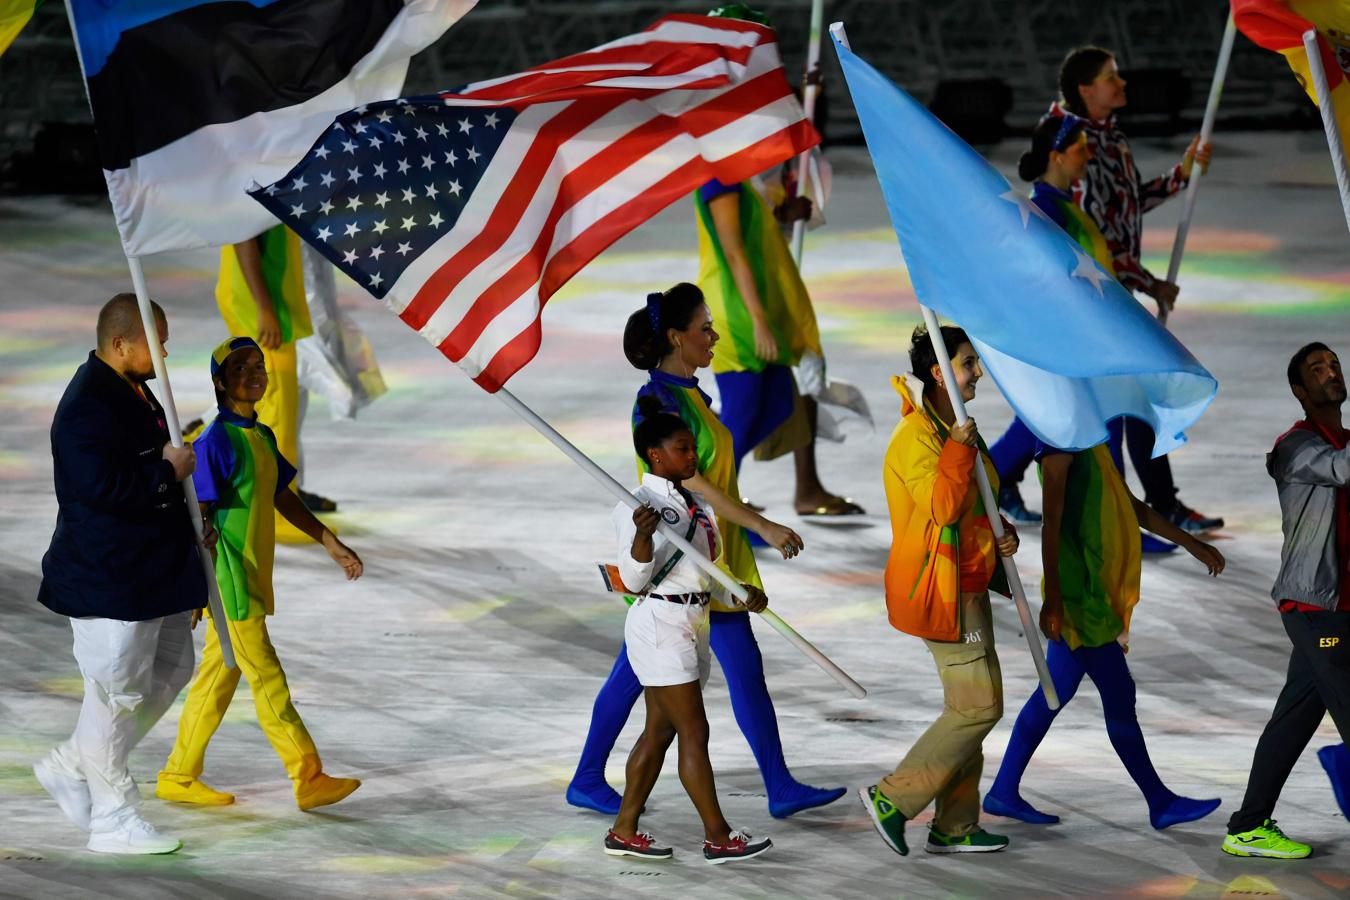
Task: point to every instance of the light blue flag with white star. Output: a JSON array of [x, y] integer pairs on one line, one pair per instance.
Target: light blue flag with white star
[[1069, 347]]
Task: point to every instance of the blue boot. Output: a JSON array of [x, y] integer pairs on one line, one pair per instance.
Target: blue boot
[[800, 797], [1181, 809], [1016, 808], [601, 797]]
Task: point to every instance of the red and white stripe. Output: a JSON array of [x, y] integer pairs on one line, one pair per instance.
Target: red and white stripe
[[602, 141]]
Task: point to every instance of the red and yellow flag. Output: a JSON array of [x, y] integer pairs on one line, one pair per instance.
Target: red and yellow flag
[[1279, 25], [14, 14]]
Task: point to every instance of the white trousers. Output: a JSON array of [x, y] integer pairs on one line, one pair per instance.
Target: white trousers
[[132, 672]]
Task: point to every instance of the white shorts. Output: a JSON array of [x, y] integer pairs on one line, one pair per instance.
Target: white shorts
[[667, 642]]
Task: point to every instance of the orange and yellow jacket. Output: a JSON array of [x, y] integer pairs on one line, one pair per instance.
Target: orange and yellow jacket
[[937, 521]]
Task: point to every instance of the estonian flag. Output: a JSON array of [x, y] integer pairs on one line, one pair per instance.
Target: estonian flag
[[195, 101]]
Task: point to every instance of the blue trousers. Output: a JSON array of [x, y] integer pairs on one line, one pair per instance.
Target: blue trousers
[[1106, 667], [733, 643], [754, 404], [1012, 453]]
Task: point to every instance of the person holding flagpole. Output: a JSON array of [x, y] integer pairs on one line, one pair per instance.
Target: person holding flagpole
[[671, 337], [756, 294], [123, 567], [666, 637], [943, 563], [1115, 197]]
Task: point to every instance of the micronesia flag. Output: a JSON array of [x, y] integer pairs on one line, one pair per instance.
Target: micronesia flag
[[465, 211], [194, 100], [1068, 346]]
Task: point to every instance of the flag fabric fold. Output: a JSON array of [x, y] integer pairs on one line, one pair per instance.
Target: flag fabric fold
[[466, 211], [194, 100], [14, 15], [1279, 26], [1068, 346]]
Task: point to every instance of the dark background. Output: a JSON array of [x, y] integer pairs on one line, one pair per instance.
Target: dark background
[[987, 67]]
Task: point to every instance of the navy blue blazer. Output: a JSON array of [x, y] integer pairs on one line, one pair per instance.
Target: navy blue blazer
[[124, 546]]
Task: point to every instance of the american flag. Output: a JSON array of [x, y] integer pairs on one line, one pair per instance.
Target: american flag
[[466, 211]]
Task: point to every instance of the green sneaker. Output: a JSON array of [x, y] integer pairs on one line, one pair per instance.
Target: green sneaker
[[886, 819], [978, 841], [1266, 840]]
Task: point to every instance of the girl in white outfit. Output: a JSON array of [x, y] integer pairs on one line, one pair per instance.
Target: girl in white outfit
[[667, 636]]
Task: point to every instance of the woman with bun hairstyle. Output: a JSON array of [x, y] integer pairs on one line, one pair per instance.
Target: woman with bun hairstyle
[[670, 338], [666, 637], [1058, 158]]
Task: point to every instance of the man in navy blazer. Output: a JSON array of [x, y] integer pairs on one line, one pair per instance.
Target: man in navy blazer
[[123, 566]]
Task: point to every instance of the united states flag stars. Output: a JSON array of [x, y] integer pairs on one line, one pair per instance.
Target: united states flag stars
[[386, 181]]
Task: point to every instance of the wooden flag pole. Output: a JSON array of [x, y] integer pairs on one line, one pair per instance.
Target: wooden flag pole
[[1319, 75], [171, 419], [1206, 129], [1019, 597], [693, 555]]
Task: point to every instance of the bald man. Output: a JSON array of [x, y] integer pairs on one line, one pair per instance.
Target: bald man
[[123, 567]]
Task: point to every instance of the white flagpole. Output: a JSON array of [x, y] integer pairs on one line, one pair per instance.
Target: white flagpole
[[622, 494], [176, 437], [1319, 75], [1029, 627], [171, 419], [1206, 129], [810, 90]]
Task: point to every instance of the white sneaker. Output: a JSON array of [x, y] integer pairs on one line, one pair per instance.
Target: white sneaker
[[135, 836], [71, 794]]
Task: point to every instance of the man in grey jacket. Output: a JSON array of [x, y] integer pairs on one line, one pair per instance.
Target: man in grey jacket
[[1311, 468]]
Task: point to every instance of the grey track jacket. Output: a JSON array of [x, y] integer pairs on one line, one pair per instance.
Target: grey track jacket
[[1308, 472]]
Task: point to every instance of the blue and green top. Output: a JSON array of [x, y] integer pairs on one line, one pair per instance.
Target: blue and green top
[[240, 473]]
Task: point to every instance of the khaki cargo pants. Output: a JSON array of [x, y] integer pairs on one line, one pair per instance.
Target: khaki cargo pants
[[946, 761]]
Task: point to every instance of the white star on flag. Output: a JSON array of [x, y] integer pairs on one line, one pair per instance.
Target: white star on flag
[[491, 120], [464, 125], [352, 229], [325, 233], [1089, 270], [381, 199], [327, 179], [326, 207], [349, 257]]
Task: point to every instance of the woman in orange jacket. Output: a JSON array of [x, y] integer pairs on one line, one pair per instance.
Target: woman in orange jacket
[[942, 565]]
